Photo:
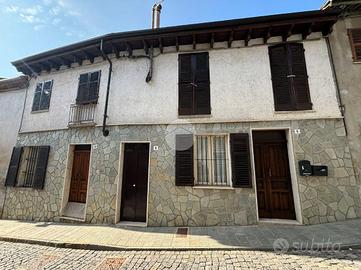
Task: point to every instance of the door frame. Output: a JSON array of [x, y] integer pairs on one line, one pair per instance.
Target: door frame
[[67, 178], [293, 172], [120, 181]]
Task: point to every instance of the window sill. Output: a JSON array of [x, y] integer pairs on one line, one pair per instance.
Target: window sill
[[40, 111], [214, 187], [298, 112], [194, 116]]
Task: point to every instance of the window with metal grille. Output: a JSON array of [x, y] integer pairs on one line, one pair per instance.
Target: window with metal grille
[[212, 160], [42, 96], [27, 166]]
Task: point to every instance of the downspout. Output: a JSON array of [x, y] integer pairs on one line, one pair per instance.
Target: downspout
[[105, 130], [338, 92]]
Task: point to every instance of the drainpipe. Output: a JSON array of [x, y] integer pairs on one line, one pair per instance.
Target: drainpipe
[[105, 130], [338, 92]]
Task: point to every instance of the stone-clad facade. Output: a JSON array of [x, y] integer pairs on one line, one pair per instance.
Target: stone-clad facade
[[322, 199]]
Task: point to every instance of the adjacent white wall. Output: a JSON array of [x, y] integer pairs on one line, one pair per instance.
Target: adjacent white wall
[[241, 89]]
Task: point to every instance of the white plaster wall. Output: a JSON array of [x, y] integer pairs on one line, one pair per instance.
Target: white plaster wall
[[11, 108], [241, 89]]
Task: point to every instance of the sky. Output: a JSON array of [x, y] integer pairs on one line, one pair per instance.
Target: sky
[[29, 27]]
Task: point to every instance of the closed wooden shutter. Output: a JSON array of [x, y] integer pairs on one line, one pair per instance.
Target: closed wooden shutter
[[12, 173], [289, 77], [355, 40], [240, 155], [281, 84], [46, 95], [194, 85], [88, 90], [37, 97], [184, 175], [299, 80], [41, 165]]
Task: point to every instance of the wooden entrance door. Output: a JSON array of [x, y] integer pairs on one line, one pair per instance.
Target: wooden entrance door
[[135, 182], [80, 171], [274, 187]]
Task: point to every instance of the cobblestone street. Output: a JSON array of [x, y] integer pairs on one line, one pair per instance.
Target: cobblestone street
[[25, 256]]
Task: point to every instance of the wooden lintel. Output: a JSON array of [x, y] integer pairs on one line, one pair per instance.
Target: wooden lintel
[[194, 38], [212, 40], [177, 43], [146, 46], [160, 45], [230, 39]]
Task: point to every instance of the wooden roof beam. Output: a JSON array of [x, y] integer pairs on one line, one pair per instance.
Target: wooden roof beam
[[177, 43], [65, 62], [308, 31], [77, 59], [115, 50], [160, 45], [44, 66], [146, 47], [53, 64], [267, 34], [212, 40], [230, 39], [194, 42], [248, 37], [89, 56], [288, 34]]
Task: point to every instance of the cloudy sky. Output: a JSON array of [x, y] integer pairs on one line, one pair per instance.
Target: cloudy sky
[[31, 26]]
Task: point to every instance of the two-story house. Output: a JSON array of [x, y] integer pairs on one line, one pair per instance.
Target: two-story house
[[195, 125]]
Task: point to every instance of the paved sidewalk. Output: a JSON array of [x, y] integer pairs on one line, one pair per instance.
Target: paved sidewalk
[[261, 237]]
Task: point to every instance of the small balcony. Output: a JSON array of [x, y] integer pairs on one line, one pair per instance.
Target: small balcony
[[82, 115]]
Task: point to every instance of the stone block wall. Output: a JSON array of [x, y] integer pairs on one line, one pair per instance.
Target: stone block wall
[[323, 199]]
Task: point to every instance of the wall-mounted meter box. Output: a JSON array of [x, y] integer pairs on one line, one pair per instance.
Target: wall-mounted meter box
[[305, 167], [319, 170]]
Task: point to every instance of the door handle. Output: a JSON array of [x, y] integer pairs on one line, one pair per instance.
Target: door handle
[[291, 76], [133, 185], [193, 84]]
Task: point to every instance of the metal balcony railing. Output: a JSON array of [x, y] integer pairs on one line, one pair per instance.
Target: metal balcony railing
[[80, 114]]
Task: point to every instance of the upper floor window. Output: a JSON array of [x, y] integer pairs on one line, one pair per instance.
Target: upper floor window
[[42, 96], [355, 40], [194, 90], [289, 77], [88, 90]]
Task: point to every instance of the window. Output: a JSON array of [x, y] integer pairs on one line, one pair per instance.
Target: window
[[289, 77], [355, 40], [211, 160], [204, 160], [88, 90], [194, 85], [42, 96], [28, 167]]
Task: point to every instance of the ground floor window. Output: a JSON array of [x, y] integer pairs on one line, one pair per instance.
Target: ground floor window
[[27, 167], [211, 160]]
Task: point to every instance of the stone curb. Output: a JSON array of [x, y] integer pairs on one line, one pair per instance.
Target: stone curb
[[120, 248]]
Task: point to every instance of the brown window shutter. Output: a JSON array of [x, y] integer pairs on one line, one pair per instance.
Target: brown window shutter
[[12, 173], [41, 165], [300, 79], [88, 89], [184, 175], [240, 154], [281, 84], [46, 95], [355, 40], [194, 85], [37, 97]]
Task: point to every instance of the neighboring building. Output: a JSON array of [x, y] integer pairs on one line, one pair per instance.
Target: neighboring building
[[12, 95], [204, 125], [345, 43]]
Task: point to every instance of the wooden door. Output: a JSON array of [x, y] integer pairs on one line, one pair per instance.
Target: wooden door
[[80, 171], [135, 182], [274, 186]]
